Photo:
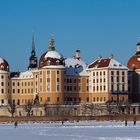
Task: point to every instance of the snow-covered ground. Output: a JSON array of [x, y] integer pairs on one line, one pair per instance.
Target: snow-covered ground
[[71, 131]]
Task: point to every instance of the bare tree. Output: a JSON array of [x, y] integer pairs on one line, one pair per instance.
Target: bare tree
[[12, 108], [28, 108]]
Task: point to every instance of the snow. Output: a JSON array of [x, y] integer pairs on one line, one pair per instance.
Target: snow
[[75, 67], [53, 54], [71, 131], [138, 59], [1, 60], [115, 64], [3, 72], [24, 75], [55, 67]]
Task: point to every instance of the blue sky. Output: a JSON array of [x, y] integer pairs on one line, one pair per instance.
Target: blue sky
[[93, 26]]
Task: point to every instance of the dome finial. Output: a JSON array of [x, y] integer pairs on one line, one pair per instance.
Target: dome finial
[[51, 44], [77, 54]]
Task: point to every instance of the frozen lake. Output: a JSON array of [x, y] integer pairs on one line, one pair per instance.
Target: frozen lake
[[71, 131]]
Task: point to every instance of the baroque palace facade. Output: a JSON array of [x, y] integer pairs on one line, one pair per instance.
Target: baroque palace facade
[[65, 81]]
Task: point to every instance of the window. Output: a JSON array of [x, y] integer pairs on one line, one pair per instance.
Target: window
[[58, 87], [2, 101], [58, 99], [2, 91], [18, 83], [104, 87], [117, 72], [100, 73], [97, 73], [112, 72], [40, 80], [2, 84], [74, 80], [123, 72], [13, 83], [100, 88], [48, 80], [18, 90], [58, 80], [112, 79], [93, 88], [97, 88], [2, 77], [48, 99], [93, 80], [101, 99], [122, 79], [87, 99], [123, 89], [101, 80], [40, 72], [112, 87], [94, 99], [57, 72], [48, 72], [117, 78], [18, 102], [104, 72], [87, 88], [75, 88], [13, 90], [93, 73]]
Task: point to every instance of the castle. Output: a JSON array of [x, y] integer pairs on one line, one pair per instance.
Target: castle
[[65, 81]]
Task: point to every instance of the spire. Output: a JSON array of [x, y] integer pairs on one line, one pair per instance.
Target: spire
[[51, 44], [33, 58], [33, 43]]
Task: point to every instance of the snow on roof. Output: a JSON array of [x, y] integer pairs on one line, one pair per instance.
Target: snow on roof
[[106, 63], [75, 67], [115, 64], [53, 54], [24, 75], [1, 60], [54, 66], [3, 71]]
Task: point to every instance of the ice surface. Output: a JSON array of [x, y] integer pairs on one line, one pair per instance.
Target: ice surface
[[71, 131]]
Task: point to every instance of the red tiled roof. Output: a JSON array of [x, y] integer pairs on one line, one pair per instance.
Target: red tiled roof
[[100, 63]]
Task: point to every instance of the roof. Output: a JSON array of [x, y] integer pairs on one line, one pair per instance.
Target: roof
[[53, 54], [75, 67], [24, 75], [106, 63], [134, 62]]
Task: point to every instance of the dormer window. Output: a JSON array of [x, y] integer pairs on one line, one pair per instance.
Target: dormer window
[[57, 62], [2, 67], [48, 62]]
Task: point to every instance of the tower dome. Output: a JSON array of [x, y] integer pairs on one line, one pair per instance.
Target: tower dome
[[51, 57], [134, 61], [4, 66]]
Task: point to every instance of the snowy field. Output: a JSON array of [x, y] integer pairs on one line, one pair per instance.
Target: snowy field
[[71, 131]]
